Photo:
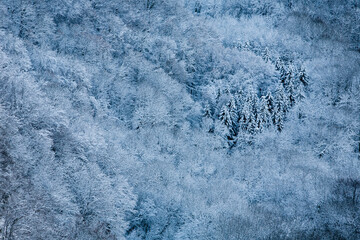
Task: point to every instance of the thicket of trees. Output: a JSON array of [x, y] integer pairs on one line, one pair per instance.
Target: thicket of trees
[[155, 119], [247, 112]]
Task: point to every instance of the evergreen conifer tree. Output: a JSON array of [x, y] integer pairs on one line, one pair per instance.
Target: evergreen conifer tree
[[225, 117], [303, 77], [266, 55], [248, 114], [263, 115], [228, 117], [207, 111], [281, 107], [270, 103], [278, 64]]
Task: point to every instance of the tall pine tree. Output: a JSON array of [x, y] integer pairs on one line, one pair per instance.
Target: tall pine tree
[[270, 103], [266, 55], [228, 117], [263, 116], [303, 77], [248, 114], [281, 107]]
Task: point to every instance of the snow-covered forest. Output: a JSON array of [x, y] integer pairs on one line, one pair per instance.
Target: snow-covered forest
[[179, 119]]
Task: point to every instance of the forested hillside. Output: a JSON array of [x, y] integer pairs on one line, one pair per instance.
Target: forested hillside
[[179, 119]]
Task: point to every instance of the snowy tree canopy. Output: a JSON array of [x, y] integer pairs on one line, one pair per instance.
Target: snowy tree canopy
[[187, 119]]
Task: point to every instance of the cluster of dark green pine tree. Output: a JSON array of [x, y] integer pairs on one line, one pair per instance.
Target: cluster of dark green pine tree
[[248, 112]]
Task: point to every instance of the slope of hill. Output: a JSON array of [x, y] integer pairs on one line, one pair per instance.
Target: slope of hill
[[152, 119]]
